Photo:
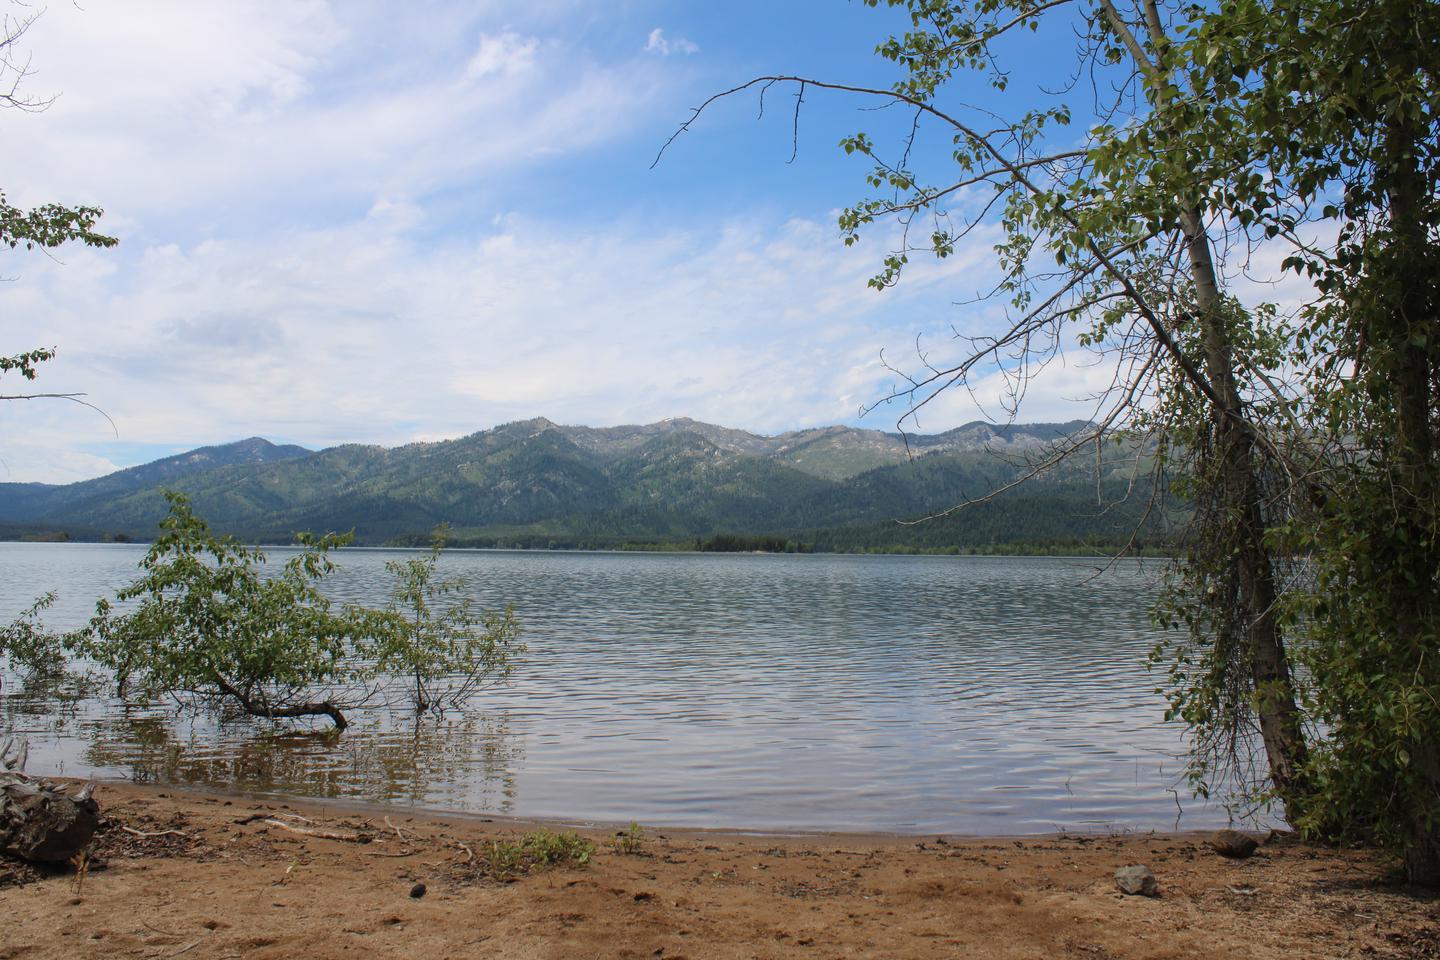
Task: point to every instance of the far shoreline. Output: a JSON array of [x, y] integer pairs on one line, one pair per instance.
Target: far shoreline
[[960, 553]]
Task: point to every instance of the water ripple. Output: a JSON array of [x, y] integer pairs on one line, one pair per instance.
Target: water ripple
[[879, 693]]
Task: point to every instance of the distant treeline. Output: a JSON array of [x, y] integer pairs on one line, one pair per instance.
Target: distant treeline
[[836, 542]]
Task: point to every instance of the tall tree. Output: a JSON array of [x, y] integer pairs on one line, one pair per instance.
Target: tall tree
[[1341, 110], [1107, 243]]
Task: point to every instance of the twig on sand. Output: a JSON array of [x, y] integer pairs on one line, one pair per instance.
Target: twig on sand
[[469, 854], [295, 816], [318, 834], [168, 933], [396, 829], [159, 833], [187, 948]]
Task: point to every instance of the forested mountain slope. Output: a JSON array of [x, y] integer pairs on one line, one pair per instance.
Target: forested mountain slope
[[536, 483]]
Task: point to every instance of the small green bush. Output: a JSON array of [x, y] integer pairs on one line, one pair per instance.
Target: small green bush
[[506, 860]]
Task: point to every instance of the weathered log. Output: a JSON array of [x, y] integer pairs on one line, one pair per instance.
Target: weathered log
[[39, 821]]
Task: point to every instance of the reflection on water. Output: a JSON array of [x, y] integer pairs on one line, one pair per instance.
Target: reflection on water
[[892, 693], [466, 762]]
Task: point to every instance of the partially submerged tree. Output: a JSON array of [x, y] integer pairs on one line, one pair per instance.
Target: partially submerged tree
[[204, 621], [443, 647], [29, 648]]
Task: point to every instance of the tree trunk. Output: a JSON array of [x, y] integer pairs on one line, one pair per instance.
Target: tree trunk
[[1275, 706], [258, 708], [1236, 466], [319, 708], [1422, 838], [39, 821], [1402, 335]]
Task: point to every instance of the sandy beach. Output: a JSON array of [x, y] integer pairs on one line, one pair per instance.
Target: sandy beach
[[203, 875]]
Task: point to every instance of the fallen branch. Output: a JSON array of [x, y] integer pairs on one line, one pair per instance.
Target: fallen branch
[[318, 834], [469, 854], [159, 833]]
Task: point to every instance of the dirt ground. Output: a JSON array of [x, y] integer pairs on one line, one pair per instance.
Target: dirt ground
[[198, 876]]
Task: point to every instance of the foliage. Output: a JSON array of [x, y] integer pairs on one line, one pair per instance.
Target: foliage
[[29, 648], [446, 647], [203, 620], [50, 225], [26, 362], [1356, 145], [741, 543]]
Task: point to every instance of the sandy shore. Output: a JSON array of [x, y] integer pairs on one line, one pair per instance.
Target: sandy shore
[[198, 875]]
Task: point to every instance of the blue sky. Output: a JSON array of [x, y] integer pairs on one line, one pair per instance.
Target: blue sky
[[356, 222]]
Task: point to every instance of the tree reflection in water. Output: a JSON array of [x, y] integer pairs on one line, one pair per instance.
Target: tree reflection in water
[[466, 762]]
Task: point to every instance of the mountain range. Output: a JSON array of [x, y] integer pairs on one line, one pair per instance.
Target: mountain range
[[535, 483]]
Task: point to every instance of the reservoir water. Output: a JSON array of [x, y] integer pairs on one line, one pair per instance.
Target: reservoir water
[[907, 694]]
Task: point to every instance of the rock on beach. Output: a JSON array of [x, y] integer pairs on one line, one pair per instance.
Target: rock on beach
[[1137, 881]]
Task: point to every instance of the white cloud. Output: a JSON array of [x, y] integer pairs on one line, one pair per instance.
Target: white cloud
[[657, 42], [367, 332], [503, 54], [215, 116], [46, 463]]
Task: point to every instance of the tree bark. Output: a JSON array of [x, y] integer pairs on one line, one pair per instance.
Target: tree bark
[[1275, 704]]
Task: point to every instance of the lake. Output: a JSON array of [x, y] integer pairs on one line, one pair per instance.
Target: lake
[[975, 695]]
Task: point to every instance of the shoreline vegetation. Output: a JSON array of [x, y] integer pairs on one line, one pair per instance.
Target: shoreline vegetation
[[182, 872]]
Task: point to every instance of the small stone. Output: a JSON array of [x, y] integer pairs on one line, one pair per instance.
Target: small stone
[[417, 891], [1233, 844], [1137, 881]]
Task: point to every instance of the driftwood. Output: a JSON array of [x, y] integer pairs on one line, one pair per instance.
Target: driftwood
[[321, 834], [39, 821]]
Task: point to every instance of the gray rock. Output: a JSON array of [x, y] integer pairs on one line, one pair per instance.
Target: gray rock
[[1233, 844], [1137, 881]]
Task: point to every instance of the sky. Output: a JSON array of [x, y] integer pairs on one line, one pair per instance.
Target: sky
[[379, 223]]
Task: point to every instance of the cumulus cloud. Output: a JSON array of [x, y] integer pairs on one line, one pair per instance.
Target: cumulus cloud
[[665, 46], [220, 115], [368, 332], [505, 53], [290, 264]]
